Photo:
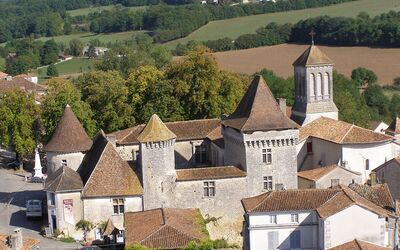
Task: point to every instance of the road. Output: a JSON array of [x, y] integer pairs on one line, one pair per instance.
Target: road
[[14, 192]]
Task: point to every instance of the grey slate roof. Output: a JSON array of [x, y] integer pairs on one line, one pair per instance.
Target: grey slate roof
[[64, 179]]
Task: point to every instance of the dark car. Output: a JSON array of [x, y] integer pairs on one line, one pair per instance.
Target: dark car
[[36, 179], [14, 164]]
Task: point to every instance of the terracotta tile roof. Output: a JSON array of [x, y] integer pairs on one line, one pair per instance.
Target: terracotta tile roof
[[313, 56], [64, 179], [184, 130], [359, 245], [325, 201], [110, 228], [155, 130], [394, 127], [318, 173], [209, 173], [69, 135], [216, 137], [258, 111], [20, 83], [378, 194], [164, 228], [340, 132], [28, 242], [105, 173]]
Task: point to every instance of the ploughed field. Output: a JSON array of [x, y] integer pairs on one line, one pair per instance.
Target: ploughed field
[[385, 62], [235, 27]]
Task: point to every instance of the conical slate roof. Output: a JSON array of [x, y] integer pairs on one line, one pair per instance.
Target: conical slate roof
[[155, 130], [69, 135], [313, 56], [64, 179], [258, 111]]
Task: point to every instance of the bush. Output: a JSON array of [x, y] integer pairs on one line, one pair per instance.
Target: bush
[[67, 239], [52, 71]]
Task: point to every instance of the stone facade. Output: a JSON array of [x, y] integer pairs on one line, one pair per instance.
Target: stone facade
[[55, 160]]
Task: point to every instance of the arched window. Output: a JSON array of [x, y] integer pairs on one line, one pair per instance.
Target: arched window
[[312, 86], [319, 86], [326, 86]]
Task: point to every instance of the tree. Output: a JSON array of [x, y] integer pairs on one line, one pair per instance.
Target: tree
[[19, 122], [85, 226], [92, 51], [394, 106], [49, 52], [61, 92], [107, 95], [52, 70], [76, 47], [376, 99], [363, 76], [396, 81]]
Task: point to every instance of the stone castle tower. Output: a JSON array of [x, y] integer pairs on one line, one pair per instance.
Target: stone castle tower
[[261, 139], [157, 161], [313, 75], [68, 144]]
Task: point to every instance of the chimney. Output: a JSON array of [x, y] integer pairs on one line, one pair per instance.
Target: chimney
[[282, 105], [15, 240], [372, 177]]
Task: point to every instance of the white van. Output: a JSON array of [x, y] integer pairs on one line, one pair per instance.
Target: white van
[[33, 208]]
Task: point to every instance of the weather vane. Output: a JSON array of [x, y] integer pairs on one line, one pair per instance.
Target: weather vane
[[312, 34]]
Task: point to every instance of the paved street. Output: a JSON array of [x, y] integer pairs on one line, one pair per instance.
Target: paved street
[[14, 192]]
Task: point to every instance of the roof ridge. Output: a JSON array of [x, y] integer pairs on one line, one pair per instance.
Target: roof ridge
[[358, 243], [61, 178], [267, 194], [348, 131], [200, 168]]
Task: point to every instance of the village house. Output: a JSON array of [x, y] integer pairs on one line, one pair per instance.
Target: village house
[[359, 245], [315, 219], [326, 177], [21, 83], [389, 173]]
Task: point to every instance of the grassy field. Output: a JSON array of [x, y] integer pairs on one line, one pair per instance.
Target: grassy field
[[71, 67], [86, 11], [383, 61], [235, 27], [86, 37]]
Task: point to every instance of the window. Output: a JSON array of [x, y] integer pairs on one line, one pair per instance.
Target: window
[[335, 182], [272, 219], [266, 155], [268, 182], [63, 163], [209, 189], [118, 206], [367, 164], [309, 148], [295, 239], [200, 154], [294, 218], [52, 199]]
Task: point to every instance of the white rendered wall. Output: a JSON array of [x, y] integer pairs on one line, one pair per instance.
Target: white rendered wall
[[54, 160], [356, 155], [352, 223], [259, 227]]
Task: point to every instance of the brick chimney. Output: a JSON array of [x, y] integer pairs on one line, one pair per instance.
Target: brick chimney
[[282, 105]]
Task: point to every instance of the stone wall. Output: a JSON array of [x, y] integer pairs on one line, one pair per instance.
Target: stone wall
[[54, 160], [390, 174]]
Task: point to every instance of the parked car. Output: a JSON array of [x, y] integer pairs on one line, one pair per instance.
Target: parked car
[[36, 179], [34, 209], [14, 164]]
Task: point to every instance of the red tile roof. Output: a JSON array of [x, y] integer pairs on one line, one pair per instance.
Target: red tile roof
[[318, 173], [64, 179], [184, 130], [165, 228], [69, 135], [209, 173], [20, 83], [258, 111], [378, 194], [325, 201], [359, 245], [340, 132]]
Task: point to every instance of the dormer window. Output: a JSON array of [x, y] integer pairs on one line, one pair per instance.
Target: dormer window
[[200, 154]]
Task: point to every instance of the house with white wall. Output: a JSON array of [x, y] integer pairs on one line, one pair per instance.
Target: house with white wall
[[314, 219], [326, 177], [326, 141]]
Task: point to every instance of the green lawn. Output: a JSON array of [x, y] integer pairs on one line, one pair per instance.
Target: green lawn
[[235, 27], [86, 37], [74, 66], [86, 11]]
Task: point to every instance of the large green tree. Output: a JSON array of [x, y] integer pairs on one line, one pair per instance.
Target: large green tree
[[107, 95], [76, 47], [363, 76], [61, 92], [19, 122]]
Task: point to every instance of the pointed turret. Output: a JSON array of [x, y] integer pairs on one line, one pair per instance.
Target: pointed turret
[[258, 111], [69, 135], [156, 130], [313, 56]]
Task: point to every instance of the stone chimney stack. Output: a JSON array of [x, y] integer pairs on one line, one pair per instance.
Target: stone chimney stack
[[282, 105], [15, 240], [372, 177], [112, 139]]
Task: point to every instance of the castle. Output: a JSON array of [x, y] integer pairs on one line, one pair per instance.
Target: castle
[[210, 164]]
